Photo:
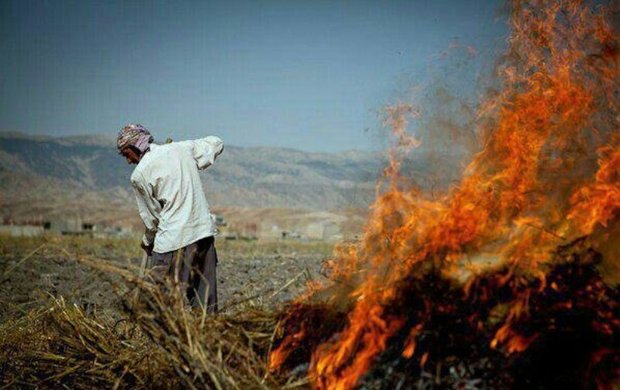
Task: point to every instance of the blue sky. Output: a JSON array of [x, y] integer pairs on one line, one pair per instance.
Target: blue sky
[[309, 75]]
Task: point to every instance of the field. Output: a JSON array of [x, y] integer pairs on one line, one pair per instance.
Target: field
[[54, 288]]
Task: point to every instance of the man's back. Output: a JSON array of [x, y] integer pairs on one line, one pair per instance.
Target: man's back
[[171, 199]]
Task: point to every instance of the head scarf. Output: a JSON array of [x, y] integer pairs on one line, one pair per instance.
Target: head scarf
[[134, 135]]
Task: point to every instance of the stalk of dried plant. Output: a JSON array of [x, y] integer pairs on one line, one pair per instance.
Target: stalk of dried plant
[[157, 342]]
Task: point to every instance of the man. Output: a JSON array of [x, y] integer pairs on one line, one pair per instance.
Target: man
[[172, 204]]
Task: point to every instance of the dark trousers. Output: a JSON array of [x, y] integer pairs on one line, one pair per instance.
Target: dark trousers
[[193, 268]]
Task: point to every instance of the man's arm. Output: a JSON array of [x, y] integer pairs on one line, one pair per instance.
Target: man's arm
[[206, 150], [149, 209]]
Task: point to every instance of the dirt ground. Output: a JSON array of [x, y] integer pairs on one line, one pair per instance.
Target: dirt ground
[[253, 273]]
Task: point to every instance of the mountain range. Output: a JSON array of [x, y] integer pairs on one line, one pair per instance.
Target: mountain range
[[43, 177]]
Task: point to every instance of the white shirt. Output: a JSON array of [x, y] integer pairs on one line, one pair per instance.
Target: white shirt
[[171, 201]]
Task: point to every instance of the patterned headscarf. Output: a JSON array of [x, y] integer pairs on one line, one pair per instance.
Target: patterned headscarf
[[134, 135]]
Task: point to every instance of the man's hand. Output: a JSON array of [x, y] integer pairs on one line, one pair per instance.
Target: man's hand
[[147, 248]]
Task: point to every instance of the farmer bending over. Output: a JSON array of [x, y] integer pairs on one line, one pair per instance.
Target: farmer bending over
[[174, 209]]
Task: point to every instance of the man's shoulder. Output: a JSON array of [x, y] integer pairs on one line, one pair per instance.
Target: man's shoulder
[[166, 150], [143, 167], [136, 175], [158, 160]]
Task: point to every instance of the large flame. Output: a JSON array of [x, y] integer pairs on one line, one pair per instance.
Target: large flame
[[534, 186]]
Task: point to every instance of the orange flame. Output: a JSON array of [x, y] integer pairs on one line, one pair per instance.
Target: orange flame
[[533, 187]]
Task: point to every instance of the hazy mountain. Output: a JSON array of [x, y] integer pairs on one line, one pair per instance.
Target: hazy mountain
[[82, 172]]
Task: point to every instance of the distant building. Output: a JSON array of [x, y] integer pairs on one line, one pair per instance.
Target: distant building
[[68, 226], [21, 230], [326, 231], [292, 234], [64, 226]]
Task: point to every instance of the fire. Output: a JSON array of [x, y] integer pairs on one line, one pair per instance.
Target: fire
[[364, 338], [532, 188], [596, 203]]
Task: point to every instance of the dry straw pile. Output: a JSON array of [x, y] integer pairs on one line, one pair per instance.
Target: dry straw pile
[[154, 341]]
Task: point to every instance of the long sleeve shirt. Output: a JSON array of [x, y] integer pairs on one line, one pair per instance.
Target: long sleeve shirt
[[169, 192]]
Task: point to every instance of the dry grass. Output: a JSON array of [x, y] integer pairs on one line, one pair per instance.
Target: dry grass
[[61, 346], [165, 347], [154, 341]]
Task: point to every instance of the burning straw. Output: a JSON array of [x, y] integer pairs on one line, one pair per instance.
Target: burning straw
[[481, 270]]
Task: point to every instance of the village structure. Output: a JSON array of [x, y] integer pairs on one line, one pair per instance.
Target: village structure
[[61, 226], [329, 229]]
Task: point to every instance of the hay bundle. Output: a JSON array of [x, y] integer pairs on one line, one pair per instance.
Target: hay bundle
[[222, 352], [60, 345], [155, 341]]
